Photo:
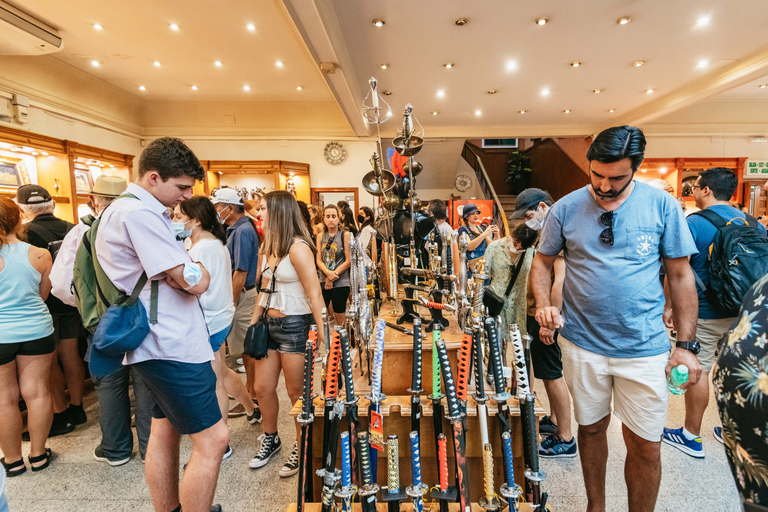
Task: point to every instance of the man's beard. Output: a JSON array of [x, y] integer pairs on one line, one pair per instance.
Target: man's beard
[[612, 194]]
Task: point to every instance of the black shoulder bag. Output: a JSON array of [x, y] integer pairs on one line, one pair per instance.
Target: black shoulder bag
[[256, 340], [491, 299]]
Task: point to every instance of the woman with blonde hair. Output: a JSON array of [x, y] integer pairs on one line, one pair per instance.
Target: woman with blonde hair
[[293, 302]]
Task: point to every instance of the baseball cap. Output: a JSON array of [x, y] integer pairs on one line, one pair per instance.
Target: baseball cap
[[468, 210], [529, 199], [32, 194], [109, 186], [226, 196]]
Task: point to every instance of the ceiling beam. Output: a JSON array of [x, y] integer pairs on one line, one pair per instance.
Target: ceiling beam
[[319, 28], [739, 73]]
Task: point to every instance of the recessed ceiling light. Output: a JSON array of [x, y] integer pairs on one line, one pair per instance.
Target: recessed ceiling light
[[448, 65], [97, 26], [492, 91], [298, 88], [763, 86], [511, 65], [35, 153], [545, 91], [111, 165], [95, 63], [612, 110], [649, 91], [597, 91], [638, 63], [623, 20], [478, 112], [251, 27], [567, 111], [434, 112], [542, 21], [662, 170], [246, 88], [461, 22], [194, 87], [703, 63], [45, 153], [703, 21], [522, 111], [157, 64], [575, 64], [279, 63], [643, 170], [383, 66], [440, 93], [219, 172], [142, 88], [378, 23], [386, 93], [174, 26]]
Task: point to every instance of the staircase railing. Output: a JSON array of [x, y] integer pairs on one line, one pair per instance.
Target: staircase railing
[[473, 159]]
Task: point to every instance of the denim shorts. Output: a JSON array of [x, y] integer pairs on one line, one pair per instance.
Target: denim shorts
[[288, 334], [219, 338], [184, 393]]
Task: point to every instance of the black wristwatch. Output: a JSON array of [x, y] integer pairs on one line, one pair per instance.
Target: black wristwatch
[[693, 346]]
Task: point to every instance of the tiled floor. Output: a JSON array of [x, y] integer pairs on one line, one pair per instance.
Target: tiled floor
[[76, 482]]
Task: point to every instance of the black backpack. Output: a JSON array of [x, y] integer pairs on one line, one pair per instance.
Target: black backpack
[[52, 240], [738, 257]]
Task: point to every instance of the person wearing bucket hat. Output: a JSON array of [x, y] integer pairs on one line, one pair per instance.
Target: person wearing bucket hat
[[479, 238]]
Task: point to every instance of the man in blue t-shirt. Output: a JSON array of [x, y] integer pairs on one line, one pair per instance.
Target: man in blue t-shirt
[[712, 191], [614, 234]]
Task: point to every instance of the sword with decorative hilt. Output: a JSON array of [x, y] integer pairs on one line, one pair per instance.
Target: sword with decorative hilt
[[394, 494], [329, 473], [305, 420], [459, 437], [331, 386], [416, 390], [489, 501], [461, 299], [368, 487], [424, 301], [533, 475], [418, 489], [347, 490], [437, 405], [376, 396], [462, 370], [351, 401], [478, 310], [497, 368], [309, 490], [443, 492], [480, 397], [509, 489], [327, 341], [521, 367]]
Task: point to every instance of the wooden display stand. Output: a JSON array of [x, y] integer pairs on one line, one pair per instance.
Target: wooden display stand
[[396, 411]]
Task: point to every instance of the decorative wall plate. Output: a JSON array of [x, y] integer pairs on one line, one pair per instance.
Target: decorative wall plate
[[334, 153], [462, 183]]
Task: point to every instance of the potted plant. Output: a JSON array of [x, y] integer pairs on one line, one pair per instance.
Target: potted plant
[[518, 171]]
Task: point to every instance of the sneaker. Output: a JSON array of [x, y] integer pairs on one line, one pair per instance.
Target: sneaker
[[555, 447], [546, 427], [227, 453], [216, 508], [77, 414], [240, 369], [99, 456], [239, 361], [61, 425], [270, 445], [719, 435], [291, 466], [675, 437], [255, 416], [237, 411]]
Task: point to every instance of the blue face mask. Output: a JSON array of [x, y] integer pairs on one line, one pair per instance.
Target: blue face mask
[[181, 233]]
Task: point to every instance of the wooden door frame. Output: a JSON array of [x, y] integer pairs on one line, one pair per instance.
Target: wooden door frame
[[313, 192]]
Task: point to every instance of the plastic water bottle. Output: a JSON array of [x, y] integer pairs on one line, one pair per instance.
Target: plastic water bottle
[[677, 377]]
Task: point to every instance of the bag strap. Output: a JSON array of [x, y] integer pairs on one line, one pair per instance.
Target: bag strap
[[712, 217], [268, 292], [515, 273]]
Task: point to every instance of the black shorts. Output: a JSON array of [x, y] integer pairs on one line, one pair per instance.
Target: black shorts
[[339, 298], [40, 347], [288, 334], [66, 325], [547, 360], [184, 393]]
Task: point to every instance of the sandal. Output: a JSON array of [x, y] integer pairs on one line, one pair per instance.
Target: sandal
[[14, 468], [44, 457]]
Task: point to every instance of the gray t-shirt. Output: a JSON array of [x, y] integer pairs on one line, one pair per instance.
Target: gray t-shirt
[[612, 297], [332, 252]]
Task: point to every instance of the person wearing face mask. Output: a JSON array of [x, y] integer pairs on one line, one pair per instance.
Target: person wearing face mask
[[195, 222], [533, 205], [243, 245]]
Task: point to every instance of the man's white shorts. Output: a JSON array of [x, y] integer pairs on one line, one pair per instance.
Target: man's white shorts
[[638, 387]]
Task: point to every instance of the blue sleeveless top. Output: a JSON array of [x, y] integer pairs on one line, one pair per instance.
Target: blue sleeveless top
[[23, 314]]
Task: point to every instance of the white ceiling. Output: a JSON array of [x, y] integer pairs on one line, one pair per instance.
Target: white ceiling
[[417, 39]]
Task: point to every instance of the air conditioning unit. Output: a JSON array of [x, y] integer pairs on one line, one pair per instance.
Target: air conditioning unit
[[22, 34]]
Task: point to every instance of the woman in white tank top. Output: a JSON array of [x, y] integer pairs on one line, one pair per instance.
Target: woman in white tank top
[[287, 256]]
